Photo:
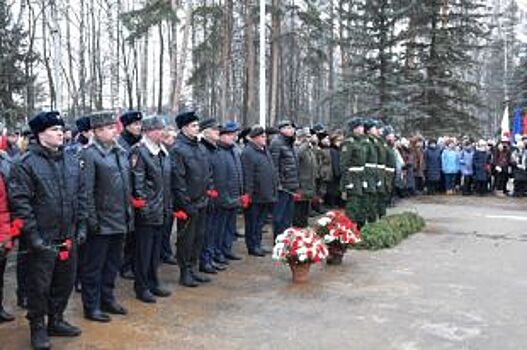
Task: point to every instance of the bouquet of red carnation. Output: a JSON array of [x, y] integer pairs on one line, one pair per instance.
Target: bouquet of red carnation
[[339, 233], [299, 246]]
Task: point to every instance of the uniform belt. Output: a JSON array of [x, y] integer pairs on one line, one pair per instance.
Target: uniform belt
[[381, 166], [390, 170], [371, 165], [354, 169]]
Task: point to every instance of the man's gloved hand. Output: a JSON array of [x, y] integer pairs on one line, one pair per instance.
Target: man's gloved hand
[[82, 234], [36, 243]]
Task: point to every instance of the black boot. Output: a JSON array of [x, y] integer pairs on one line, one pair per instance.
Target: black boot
[[57, 327], [199, 277], [39, 335], [186, 279], [5, 316]]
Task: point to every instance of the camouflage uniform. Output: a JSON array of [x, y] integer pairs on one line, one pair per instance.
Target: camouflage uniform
[[352, 161], [381, 177], [389, 173], [371, 177]]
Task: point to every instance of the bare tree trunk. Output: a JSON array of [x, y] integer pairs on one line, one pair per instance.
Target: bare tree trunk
[[173, 50], [161, 58], [226, 57], [249, 108], [45, 57], [183, 57], [275, 57], [144, 72]]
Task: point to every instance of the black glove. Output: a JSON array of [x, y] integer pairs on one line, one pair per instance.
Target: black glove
[[36, 243], [82, 234]]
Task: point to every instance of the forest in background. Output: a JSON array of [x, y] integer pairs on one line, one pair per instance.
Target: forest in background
[[430, 66]]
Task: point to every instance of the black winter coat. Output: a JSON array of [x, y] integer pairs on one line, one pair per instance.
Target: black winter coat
[[151, 181], [232, 185], [47, 193], [108, 190], [191, 174], [479, 162], [260, 179], [285, 161]]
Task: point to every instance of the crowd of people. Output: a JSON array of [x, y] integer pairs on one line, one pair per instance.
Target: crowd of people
[[88, 207]]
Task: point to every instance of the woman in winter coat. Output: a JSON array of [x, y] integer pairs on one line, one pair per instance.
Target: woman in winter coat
[[416, 146], [481, 167], [502, 156], [408, 169], [432, 167], [466, 158], [450, 166]]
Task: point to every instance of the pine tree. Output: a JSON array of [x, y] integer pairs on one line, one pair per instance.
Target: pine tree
[[12, 76]]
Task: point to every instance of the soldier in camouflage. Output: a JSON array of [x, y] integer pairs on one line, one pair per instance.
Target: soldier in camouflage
[[370, 171], [353, 181]]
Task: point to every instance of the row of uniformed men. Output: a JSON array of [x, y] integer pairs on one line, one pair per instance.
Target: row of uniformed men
[[98, 193]]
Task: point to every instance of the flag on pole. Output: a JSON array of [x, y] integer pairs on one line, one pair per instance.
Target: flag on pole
[[517, 123], [505, 129]]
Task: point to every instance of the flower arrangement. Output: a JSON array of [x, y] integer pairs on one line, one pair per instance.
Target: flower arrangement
[[335, 228], [299, 246]]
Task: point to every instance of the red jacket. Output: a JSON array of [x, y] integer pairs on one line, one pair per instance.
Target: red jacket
[[5, 221]]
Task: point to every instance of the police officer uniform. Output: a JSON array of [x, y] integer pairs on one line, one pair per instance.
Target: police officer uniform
[[151, 180], [110, 219], [47, 194]]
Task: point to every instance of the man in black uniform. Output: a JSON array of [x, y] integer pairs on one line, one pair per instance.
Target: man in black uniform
[[110, 218], [46, 192], [131, 134], [191, 184], [151, 170]]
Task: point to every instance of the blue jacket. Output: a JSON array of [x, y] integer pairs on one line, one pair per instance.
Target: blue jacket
[[450, 161], [433, 163], [465, 161]]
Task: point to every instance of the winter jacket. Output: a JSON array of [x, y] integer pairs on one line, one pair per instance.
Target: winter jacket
[[232, 188], [260, 179], [502, 159], [325, 166], [450, 161], [519, 162], [286, 162], [481, 165], [47, 194], [151, 181], [466, 162], [5, 219], [108, 190], [307, 169], [419, 165], [433, 163], [191, 174], [217, 168], [352, 162]]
